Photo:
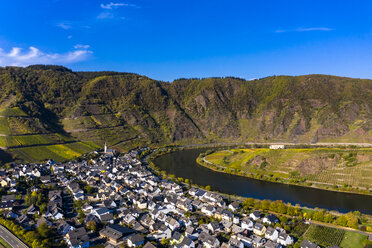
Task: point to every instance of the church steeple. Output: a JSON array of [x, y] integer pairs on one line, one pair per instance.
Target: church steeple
[[105, 149]]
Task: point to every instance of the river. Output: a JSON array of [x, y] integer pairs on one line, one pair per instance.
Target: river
[[183, 164]]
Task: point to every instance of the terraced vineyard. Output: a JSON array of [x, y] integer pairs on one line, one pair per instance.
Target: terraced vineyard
[[324, 236], [329, 167], [29, 140], [128, 110]]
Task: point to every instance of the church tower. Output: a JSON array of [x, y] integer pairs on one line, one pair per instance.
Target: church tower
[[105, 149]]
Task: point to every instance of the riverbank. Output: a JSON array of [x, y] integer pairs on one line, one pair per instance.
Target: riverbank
[[256, 164], [265, 205]]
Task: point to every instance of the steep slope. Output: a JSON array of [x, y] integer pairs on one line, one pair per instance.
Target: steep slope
[[126, 110]]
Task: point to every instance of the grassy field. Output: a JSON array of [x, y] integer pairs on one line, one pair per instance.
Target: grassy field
[[4, 126], [2, 141], [37, 139], [324, 236], [326, 166], [15, 111], [353, 240]]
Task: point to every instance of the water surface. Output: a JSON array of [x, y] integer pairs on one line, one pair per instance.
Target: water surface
[[183, 164]]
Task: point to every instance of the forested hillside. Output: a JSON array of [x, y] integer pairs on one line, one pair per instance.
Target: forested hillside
[[51, 111]]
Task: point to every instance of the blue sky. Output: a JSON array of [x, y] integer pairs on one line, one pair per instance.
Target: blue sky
[[169, 39]]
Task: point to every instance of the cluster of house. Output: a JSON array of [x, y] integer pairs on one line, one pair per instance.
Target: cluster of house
[[134, 207]]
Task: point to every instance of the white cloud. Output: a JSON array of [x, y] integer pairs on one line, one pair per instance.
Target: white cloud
[[81, 46], [106, 15], [113, 5], [64, 25], [304, 29], [313, 29], [16, 57], [109, 9]]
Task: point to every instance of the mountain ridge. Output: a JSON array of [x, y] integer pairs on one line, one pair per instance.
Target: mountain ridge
[[111, 106]]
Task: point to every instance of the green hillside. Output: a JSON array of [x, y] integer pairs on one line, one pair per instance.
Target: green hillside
[[320, 166], [51, 110]]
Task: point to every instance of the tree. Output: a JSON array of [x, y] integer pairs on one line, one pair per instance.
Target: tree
[[36, 244], [43, 207], [208, 187], [274, 206], [92, 225], [352, 220], [249, 202], [89, 189], [43, 230], [282, 208], [165, 242], [31, 236], [265, 204], [341, 220], [328, 218], [319, 216]]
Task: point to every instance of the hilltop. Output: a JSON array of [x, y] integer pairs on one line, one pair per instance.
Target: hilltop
[[51, 111]]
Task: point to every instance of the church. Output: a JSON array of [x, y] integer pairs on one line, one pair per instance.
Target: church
[[108, 151]]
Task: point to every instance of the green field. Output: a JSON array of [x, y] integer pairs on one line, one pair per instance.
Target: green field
[[353, 240], [324, 236], [4, 126], [59, 153], [321, 166], [37, 139], [28, 139], [15, 111], [2, 141]]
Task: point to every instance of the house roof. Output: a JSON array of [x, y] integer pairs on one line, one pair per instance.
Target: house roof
[[6, 198], [106, 217], [103, 210], [137, 238], [149, 245], [116, 231], [272, 218], [6, 205], [270, 231], [176, 236], [79, 234], [308, 244]]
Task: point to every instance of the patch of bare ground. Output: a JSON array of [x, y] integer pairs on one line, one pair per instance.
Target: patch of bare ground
[[257, 160], [316, 164]]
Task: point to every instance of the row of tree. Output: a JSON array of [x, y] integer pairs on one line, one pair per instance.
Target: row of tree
[[41, 237], [351, 219]]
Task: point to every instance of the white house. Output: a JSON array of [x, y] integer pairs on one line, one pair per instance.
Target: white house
[[284, 239], [275, 147], [271, 233]]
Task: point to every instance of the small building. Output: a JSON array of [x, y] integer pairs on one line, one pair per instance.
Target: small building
[[107, 151], [275, 147], [308, 244], [135, 240], [78, 238], [259, 229], [115, 233], [271, 233], [284, 239], [255, 215]]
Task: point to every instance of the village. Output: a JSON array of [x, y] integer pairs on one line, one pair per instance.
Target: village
[[114, 201]]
